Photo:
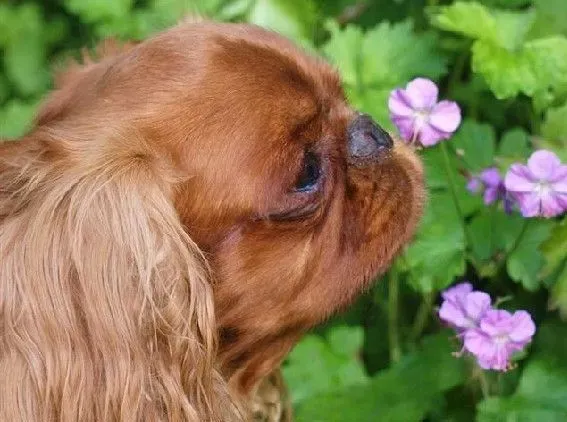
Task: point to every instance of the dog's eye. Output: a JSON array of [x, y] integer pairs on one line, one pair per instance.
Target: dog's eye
[[310, 173]]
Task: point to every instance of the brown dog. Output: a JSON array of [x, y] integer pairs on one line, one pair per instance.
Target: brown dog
[[181, 213]]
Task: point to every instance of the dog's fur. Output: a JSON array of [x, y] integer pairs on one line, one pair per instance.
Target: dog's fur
[[155, 261]]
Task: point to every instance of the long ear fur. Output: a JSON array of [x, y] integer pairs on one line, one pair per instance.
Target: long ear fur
[[105, 308]]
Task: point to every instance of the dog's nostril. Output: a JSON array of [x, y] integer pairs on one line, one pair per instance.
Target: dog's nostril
[[366, 140]]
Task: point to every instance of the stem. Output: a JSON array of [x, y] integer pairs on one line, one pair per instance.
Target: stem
[[484, 386], [452, 188], [393, 334], [422, 316]]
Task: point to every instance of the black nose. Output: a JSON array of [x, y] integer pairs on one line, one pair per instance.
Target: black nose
[[367, 140]]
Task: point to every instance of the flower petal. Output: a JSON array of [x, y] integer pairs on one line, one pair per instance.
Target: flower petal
[[474, 185], [399, 105], [478, 343], [491, 194], [445, 116], [543, 164], [453, 314], [429, 136], [458, 292], [422, 93], [552, 204], [530, 204], [405, 126], [559, 180], [476, 305], [523, 327], [519, 179], [491, 177], [495, 322]]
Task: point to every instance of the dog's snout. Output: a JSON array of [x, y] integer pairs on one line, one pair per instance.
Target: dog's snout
[[367, 140]]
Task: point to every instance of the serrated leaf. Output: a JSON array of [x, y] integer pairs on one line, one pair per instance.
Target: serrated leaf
[[507, 73], [343, 49], [393, 53], [405, 392], [505, 29], [386, 56], [467, 18]]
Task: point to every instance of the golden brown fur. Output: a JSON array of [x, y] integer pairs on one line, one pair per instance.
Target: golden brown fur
[[155, 262]]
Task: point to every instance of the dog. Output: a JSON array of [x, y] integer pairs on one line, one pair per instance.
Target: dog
[[181, 212]]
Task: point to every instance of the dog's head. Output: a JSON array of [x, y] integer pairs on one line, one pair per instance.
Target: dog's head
[[295, 199]]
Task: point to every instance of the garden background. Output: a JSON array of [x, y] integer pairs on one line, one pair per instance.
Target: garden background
[[505, 63]]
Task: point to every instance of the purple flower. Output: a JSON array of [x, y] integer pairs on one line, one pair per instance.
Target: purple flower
[[418, 116], [462, 308], [499, 336], [493, 185], [540, 188], [491, 335]]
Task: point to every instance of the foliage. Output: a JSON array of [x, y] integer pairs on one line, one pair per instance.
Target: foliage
[[505, 62]]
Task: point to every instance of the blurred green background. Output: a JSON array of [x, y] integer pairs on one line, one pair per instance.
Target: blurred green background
[[505, 63]]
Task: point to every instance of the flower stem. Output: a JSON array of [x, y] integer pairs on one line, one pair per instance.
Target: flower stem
[[484, 386], [393, 334], [453, 189], [422, 316]]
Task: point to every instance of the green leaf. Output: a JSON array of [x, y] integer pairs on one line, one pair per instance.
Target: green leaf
[[507, 73], [554, 130], [475, 143], [438, 251], [98, 10], [343, 49], [293, 18], [406, 392], [470, 19], [16, 117], [505, 29], [526, 261], [513, 146], [551, 18], [554, 250], [374, 63], [345, 340], [315, 366], [393, 53]]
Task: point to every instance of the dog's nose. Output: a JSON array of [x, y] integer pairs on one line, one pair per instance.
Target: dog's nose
[[367, 140]]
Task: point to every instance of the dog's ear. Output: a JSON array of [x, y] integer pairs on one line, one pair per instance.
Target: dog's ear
[[107, 312], [75, 78]]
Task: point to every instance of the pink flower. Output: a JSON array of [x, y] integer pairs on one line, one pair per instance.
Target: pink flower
[[493, 185], [499, 336], [418, 116], [540, 188], [491, 335], [462, 308]]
